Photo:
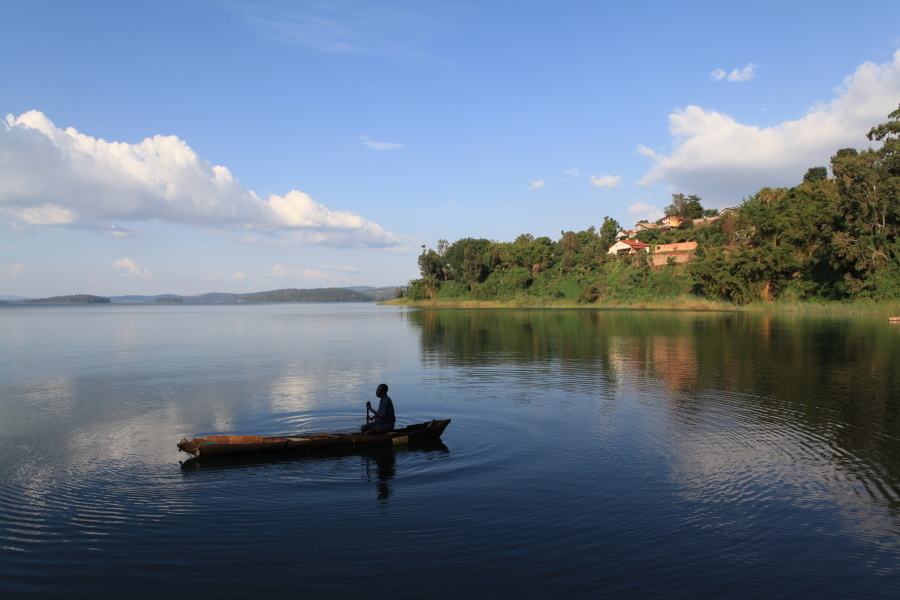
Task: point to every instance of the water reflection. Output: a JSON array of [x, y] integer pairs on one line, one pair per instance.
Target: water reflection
[[811, 403], [376, 464], [385, 463], [696, 452]]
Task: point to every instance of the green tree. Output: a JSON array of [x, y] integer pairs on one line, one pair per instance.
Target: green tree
[[686, 207], [608, 231], [815, 174]]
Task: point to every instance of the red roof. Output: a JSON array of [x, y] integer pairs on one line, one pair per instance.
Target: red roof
[[637, 245]]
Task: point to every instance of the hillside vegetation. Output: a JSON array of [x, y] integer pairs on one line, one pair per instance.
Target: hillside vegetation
[[288, 295], [71, 299], [827, 238]]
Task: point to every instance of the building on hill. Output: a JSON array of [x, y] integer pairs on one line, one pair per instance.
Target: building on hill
[[663, 254], [670, 221], [645, 226], [626, 234], [623, 247], [702, 221]]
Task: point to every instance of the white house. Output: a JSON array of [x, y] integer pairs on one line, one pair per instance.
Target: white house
[[628, 247]]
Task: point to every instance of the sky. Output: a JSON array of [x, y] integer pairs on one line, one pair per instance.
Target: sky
[[218, 145]]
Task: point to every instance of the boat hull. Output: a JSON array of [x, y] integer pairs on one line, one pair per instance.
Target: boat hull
[[225, 445]]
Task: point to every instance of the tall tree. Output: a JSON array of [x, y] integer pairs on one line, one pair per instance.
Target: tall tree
[[608, 231], [686, 207], [815, 174]]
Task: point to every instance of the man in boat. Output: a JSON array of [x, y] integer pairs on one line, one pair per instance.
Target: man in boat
[[383, 421]]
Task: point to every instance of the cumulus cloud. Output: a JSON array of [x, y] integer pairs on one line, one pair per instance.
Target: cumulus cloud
[[117, 231], [724, 160], [747, 73], [237, 275], [61, 177], [46, 214], [322, 272], [606, 181], [573, 172], [380, 146], [129, 267], [537, 184], [645, 151]]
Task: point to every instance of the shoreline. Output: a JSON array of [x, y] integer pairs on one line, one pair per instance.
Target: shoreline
[[863, 308]]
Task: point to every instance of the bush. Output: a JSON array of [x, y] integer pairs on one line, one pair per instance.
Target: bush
[[453, 289], [416, 290], [589, 295], [504, 283]]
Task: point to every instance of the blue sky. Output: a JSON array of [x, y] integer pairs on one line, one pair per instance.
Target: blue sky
[[353, 132]]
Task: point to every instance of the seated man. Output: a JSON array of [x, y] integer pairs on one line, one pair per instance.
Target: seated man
[[383, 421]]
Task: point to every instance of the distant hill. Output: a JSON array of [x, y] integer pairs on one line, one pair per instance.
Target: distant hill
[[378, 294], [331, 294], [72, 299], [132, 299], [313, 295]]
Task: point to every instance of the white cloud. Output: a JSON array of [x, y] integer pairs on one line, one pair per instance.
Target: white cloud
[[14, 270], [340, 269], [724, 160], [606, 181], [645, 151], [573, 172], [380, 146], [322, 272], [537, 184], [747, 73], [237, 275], [46, 214], [647, 212], [131, 268], [53, 176], [118, 231], [348, 28]]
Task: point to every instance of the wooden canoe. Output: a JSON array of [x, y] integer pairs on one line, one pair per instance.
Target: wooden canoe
[[221, 445]]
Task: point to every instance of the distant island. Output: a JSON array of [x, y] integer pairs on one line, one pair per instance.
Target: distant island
[[72, 299], [289, 295], [832, 239]]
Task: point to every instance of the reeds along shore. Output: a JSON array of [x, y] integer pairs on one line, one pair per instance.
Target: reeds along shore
[[851, 308]]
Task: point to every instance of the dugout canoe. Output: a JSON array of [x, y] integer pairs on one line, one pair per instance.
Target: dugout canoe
[[222, 445]]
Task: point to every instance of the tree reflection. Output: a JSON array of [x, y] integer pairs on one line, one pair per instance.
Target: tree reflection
[[839, 376]]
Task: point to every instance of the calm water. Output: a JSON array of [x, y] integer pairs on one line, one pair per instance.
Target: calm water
[[590, 454]]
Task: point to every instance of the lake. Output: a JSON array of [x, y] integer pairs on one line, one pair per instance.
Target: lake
[[591, 453]]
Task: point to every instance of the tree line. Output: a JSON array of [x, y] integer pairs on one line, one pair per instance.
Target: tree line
[[829, 237]]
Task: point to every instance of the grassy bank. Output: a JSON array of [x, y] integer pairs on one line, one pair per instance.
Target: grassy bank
[[686, 303]]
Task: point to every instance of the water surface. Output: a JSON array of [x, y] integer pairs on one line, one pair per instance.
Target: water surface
[[591, 453]]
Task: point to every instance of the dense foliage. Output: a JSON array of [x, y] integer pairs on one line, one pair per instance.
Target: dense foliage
[[828, 237]]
